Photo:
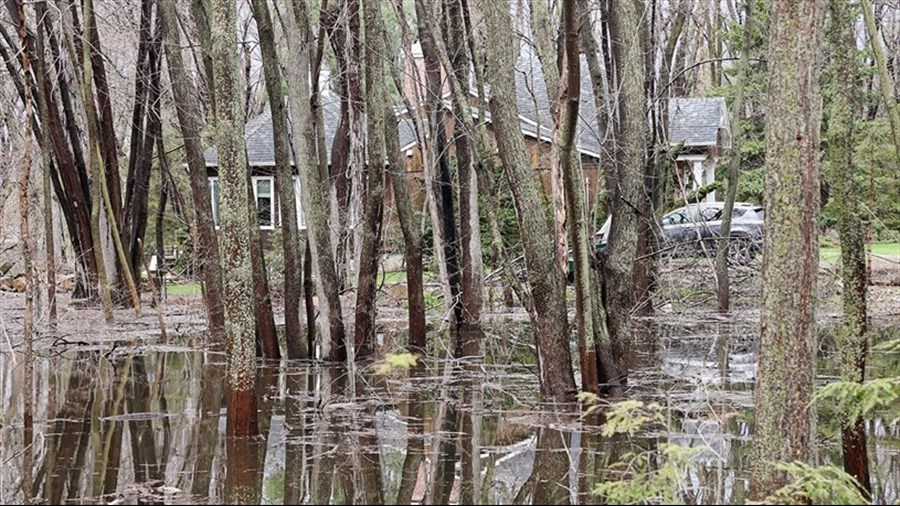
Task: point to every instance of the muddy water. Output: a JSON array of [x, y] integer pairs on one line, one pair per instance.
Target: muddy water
[[146, 425]]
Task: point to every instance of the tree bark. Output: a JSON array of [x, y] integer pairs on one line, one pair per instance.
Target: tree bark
[[235, 226], [627, 202], [546, 279], [787, 358], [293, 289], [189, 118], [723, 292], [852, 342], [884, 77], [306, 158]]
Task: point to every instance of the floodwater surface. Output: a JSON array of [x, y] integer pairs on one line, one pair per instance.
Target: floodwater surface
[[146, 425]]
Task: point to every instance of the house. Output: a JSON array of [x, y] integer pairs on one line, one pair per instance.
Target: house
[[700, 127], [535, 122]]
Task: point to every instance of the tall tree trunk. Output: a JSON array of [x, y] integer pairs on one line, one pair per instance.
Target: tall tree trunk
[[293, 273], [472, 277], [628, 202], [546, 278], [235, 224], [374, 177], [187, 108], [787, 351], [97, 179], [266, 333], [28, 268], [542, 28], [591, 340], [46, 169], [306, 158], [884, 77], [852, 343], [723, 292]]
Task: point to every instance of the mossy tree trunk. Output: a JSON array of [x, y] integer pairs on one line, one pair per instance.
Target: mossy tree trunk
[[784, 425], [627, 199], [843, 111], [236, 225], [190, 120], [546, 278]]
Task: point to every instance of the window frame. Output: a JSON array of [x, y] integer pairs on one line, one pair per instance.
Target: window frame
[[272, 212], [213, 203], [298, 201]]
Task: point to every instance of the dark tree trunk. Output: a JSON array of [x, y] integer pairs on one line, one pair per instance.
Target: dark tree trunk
[[852, 341], [190, 121]]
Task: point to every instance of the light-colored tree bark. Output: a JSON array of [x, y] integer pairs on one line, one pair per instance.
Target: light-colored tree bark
[[236, 225], [546, 278], [307, 158], [884, 77], [852, 342], [187, 108], [787, 351], [723, 291]]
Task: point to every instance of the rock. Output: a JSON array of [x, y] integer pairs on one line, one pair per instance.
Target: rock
[[6, 284], [65, 284], [5, 267], [19, 284]]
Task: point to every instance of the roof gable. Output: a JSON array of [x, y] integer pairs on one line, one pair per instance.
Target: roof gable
[[697, 122]]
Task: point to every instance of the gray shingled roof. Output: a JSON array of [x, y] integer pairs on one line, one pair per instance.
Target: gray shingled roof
[[696, 121], [532, 100], [261, 146]]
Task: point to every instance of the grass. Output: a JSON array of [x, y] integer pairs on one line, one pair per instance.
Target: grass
[[888, 249], [185, 289]]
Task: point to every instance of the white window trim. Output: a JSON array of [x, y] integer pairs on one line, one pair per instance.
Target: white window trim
[[212, 200], [272, 212], [298, 202]]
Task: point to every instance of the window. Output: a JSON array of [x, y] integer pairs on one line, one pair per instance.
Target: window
[[214, 199], [301, 216], [263, 192]]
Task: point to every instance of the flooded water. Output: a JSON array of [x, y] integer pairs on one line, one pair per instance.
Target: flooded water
[[146, 425]]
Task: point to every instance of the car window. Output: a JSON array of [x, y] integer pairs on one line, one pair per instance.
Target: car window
[[676, 217], [692, 214], [711, 214]]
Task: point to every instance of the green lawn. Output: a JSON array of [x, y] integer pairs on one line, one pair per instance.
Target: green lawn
[[185, 289], [888, 249]]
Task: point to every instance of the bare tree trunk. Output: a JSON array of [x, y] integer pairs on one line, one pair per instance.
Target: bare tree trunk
[[189, 119], [852, 342], [236, 226], [46, 168], [472, 277], [97, 178], [306, 156], [590, 339], [546, 278], [723, 292], [787, 351], [628, 202], [25, 242], [293, 273], [374, 197], [884, 77], [542, 28]]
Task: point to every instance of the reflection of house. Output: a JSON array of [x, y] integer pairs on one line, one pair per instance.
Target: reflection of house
[[535, 123], [700, 126]]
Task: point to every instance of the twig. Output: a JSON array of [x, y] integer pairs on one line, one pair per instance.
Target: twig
[[155, 292]]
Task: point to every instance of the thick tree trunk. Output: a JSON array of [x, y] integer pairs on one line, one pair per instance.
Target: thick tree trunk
[[190, 120], [546, 278], [374, 197], [884, 77], [293, 274], [787, 352], [852, 343], [723, 292], [628, 202], [236, 226], [306, 158]]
